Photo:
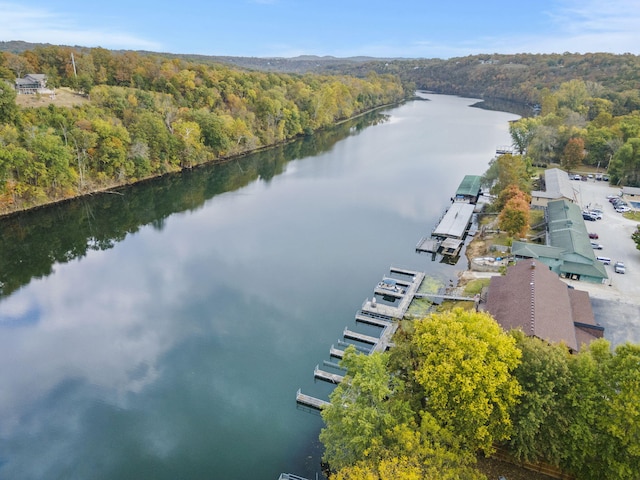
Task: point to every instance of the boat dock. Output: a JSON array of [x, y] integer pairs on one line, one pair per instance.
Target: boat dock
[[455, 222], [402, 285], [327, 376], [290, 476], [359, 337], [447, 238]]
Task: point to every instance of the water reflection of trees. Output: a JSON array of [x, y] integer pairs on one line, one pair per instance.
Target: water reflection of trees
[[32, 242]]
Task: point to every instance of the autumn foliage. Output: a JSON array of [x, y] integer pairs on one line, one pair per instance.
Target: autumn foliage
[[514, 216]]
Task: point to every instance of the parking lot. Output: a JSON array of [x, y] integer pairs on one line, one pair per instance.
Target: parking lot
[[616, 304]]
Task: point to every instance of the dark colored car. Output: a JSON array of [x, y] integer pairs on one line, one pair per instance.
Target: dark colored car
[[593, 236], [588, 216]]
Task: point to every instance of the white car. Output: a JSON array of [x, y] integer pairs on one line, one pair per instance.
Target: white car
[[622, 209], [619, 267]]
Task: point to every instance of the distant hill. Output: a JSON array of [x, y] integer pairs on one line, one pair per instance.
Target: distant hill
[[516, 78], [300, 64]]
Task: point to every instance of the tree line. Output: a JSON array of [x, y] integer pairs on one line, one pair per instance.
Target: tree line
[[148, 115], [455, 385]]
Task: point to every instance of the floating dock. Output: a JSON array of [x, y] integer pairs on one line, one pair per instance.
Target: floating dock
[[359, 337], [290, 476], [327, 376], [373, 313], [309, 401]]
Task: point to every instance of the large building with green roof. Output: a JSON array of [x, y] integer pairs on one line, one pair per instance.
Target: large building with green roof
[[568, 251]]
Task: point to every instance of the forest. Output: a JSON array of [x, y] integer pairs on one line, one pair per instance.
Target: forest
[[148, 115], [456, 385]]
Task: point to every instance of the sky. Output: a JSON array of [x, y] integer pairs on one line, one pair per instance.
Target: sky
[[339, 28]]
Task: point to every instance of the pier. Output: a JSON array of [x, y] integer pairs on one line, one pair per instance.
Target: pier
[[373, 313], [327, 376], [290, 476], [309, 401], [336, 352], [359, 337], [381, 321]]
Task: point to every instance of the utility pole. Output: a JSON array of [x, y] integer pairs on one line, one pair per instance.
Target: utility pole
[[73, 62]]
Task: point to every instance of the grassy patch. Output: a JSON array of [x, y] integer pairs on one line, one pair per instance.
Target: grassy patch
[[451, 304], [64, 97], [632, 216], [535, 216], [474, 287]]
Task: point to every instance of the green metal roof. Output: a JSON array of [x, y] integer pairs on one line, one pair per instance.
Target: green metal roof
[[595, 269], [534, 250], [567, 229], [568, 242], [470, 185]]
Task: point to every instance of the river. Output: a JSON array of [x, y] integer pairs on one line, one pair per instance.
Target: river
[[162, 331]]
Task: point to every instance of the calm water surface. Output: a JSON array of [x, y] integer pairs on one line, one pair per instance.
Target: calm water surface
[[163, 333]]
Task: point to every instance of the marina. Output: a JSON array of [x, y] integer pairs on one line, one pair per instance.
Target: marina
[[395, 292], [401, 287], [447, 238]]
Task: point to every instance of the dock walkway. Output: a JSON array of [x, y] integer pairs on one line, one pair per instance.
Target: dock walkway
[[372, 313]]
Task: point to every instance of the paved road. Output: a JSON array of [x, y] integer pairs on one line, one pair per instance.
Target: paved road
[[616, 304]]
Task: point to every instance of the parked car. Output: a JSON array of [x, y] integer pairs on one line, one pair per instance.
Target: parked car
[[596, 246], [596, 214], [593, 235], [605, 260], [618, 267], [588, 216], [622, 209]]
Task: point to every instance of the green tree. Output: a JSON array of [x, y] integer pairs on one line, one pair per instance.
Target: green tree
[[461, 365], [8, 108], [538, 422], [506, 170], [625, 164], [363, 412], [543, 145], [635, 236], [53, 158], [110, 155], [573, 95], [371, 431], [192, 150], [522, 132], [603, 428], [573, 154]]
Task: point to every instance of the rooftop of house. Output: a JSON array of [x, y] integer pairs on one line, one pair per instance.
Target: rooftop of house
[[534, 299], [557, 185]]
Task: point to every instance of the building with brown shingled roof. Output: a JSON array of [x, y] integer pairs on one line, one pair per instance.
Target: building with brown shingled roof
[[532, 298]]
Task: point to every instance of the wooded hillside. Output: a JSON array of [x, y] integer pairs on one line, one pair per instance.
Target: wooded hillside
[[148, 115]]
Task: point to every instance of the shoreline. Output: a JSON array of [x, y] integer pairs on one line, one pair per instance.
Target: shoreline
[[113, 188]]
